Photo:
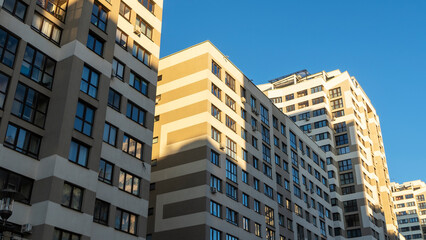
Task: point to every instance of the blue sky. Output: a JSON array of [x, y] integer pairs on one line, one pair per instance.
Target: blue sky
[[381, 43]]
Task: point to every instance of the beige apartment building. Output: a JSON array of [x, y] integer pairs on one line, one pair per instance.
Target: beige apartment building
[[77, 96], [334, 111], [227, 163], [410, 208]]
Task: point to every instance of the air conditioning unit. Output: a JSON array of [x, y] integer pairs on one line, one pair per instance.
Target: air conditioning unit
[[243, 99], [26, 228], [213, 190], [137, 30]]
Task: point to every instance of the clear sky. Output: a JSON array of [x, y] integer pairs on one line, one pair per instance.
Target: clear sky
[[382, 43]]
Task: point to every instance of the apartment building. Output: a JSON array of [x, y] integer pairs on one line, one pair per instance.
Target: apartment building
[[410, 208], [77, 96], [227, 163], [334, 111]]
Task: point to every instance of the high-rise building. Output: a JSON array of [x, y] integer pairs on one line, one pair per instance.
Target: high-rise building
[[227, 163], [410, 208], [332, 108], [77, 96]]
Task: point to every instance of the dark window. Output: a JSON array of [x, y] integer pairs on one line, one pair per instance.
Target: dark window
[[346, 178], [114, 99], [125, 11], [345, 165], [231, 192], [79, 153], [135, 113], [231, 216], [4, 82], [138, 83], [126, 221], [230, 102], [121, 38], [129, 183], [348, 190], [13, 181], [214, 158], [46, 28], [95, 43], [60, 234], [30, 105], [105, 171], [148, 4], [216, 91], [216, 69], [16, 8], [110, 134], [55, 7], [22, 140], [132, 146], [145, 28], [350, 206], [38, 66], [117, 69], [89, 81], [340, 127], [231, 171], [99, 16], [84, 118], [72, 196], [230, 81], [141, 54], [342, 139], [101, 212]]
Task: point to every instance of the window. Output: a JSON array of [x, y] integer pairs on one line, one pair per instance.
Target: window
[[135, 113], [231, 171], [216, 69], [269, 216], [15, 7], [101, 212], [230, 81], [348, 190], [256, 184], [266, 134], [231, 148], [289, 97], [294, 158], [141, 54], [230, 237], [340, 127], [214, 158], [231, 123], [335, 92], [22, 140], [60, 234], [4, 82], [345, 165], [38, 66], [125, 11], [14, 181], [303, 104], [420, 197], [138, 83], [346, 178], [277, 100], [293, 140], [277, 160], [89, 81], [244, 176], [72, 196], [216, 183], [246, 224], [79, 153], [231, 192], [244, 134], [353, 233], [342, 139], [230, 102], [114, 99], [215, 209], [322, 136], [335, 104], [215, 234], [295, 176], [257, 230], [319, 112], [129, 183], [266, 153], [95, 43], [56, 8], [46, 28], [286, 184], [350, 206], [84, 118], [280, 199], [121, 38], [290, 108], [29, 105], [243, 114], [267, 170], [117, 69], [216, 112], [342, 150], [215, 135], [256, 206], [339, 113], [231, 216], [148, 4], [317, 100], [110, 134], [254, 141], [268, 191], [132, 146], [146, 29], [321, 124], [216, 91], [264, 114], [244, 199], [105, 171], [125, 221]]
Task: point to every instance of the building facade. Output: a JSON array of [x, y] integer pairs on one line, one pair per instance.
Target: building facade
[[227, 163], [77, 96], [334, 111], [410, 208]]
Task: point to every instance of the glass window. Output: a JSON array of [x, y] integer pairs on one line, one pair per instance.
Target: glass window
[[4, 82], [105, 171], [148, 4], [72, 196], [231, 148], [15, 7], [216, 69], [129, 183], [22, 140], [132, 146], [230, 81], [84, 118], [101, 212], [30, 105], [110, 134], [138, 83], [126, 221], [46, 28], [117, 69], [79, 153], [14, 181], [230, 102], [60, 234], [38, 66], [95, 43], [99, 16], [214, 158], [231, 216], [121, 38], [216, 91], [125, 11], [135, 113], [215, 234], [141, 54], [55, 7], [231, 171], [215, 209], [146, 29], [89, 81], [114, 99]]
